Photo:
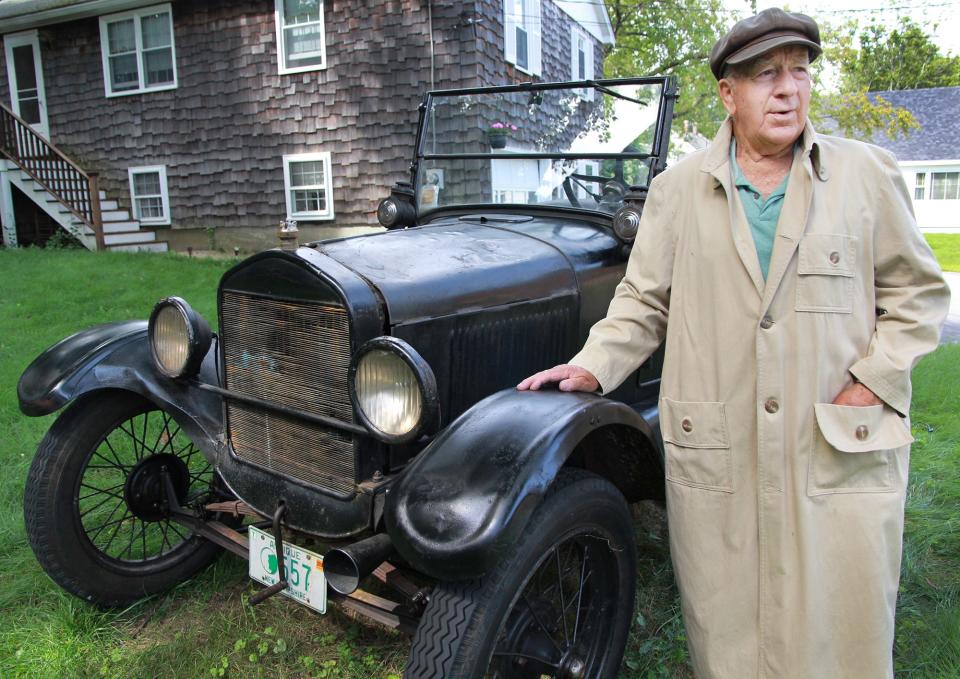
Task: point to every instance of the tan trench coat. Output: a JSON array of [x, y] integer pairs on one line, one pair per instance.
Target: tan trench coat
[[785, 512]]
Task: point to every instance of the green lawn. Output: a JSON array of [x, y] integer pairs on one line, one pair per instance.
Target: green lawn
[[205, 627], [946, 246]]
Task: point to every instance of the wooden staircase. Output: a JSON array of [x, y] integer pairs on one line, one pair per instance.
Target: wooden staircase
[[70, 196]]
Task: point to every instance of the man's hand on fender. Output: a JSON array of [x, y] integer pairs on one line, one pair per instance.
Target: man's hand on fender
[[857, 395], [567, 378]]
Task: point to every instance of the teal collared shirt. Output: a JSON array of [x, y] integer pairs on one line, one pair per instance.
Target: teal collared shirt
[[762, 213]]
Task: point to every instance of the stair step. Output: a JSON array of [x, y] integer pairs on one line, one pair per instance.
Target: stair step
[[105, 215], [104, 204], [109, 227], [155, 246], [129, 237]]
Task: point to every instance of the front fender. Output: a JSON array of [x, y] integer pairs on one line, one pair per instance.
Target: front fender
[[117, 356], [466, 497]]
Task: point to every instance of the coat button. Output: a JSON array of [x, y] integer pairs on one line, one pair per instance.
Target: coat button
[[771, 405], [834, 257], [862, 432], [766, 323], [686, 425]]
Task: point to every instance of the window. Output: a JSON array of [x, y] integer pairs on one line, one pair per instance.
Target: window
[[581, 59], [306, 178], [138, 52], [515, 181], [919, 189], [148, 194], [521, 27], [945, 186], [300, 40]]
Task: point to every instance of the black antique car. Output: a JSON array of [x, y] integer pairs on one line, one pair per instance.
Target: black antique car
[[358, 402]]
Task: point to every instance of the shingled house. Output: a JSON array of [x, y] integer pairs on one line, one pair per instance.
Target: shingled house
[[215, 120], [929, 157]]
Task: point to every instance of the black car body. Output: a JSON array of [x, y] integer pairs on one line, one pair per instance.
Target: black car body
[[474, 285]]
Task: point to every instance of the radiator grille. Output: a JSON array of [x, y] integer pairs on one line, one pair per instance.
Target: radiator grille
[[295, 354]]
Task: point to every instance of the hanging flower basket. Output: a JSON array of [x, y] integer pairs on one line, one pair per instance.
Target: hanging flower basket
[[497, 134]]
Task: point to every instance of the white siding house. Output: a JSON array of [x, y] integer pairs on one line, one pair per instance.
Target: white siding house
[[930, 157]]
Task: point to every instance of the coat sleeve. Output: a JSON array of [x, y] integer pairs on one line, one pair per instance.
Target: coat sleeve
[[636, 320], [911, 295]]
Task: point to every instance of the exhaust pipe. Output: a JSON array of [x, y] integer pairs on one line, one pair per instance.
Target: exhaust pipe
[[346, 566]]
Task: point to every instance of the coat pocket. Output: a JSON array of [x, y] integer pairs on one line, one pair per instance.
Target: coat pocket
[[825, 271], [697, 444], [854, 449]]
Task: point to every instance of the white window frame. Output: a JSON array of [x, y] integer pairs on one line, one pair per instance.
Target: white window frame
[[282, 45], [164, 194], [327, 186], [576, 35], [529, 19], [933, 185], [136, 15], [920, 186]]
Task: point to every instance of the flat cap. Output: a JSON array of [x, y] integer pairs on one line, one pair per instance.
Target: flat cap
[[768, 30]]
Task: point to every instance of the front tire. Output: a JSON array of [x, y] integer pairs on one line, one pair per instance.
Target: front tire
[[559, 605], [94, 502]]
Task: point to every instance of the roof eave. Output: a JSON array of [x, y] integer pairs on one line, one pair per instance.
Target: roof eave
[[27, 15]]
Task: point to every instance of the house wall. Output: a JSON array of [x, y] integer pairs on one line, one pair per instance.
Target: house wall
[[222, 133], [933, 215]]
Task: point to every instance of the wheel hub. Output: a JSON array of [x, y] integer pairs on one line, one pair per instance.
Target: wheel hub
[[572, 666], [145, 489]]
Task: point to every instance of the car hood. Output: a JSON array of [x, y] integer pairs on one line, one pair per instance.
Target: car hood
[[442, 269]]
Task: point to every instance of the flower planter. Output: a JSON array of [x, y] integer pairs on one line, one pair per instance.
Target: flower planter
[[497, 139]]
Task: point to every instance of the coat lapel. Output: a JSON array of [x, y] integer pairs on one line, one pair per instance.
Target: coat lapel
[[717, 164], [796, 208]]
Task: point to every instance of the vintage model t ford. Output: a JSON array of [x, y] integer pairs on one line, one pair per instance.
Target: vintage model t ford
[[355, 414]]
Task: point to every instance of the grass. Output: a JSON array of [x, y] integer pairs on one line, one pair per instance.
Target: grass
[[206, 628], [946, 246]]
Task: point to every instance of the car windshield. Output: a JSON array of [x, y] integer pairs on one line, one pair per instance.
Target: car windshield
[[572, 145]]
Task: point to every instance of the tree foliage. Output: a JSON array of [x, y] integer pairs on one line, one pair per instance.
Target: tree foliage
[[905, 58], [671, 37]]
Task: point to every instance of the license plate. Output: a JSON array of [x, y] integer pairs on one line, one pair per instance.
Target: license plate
[[306, 581]]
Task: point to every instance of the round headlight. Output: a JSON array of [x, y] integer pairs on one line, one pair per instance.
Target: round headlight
[[179, 338], [394, 390]]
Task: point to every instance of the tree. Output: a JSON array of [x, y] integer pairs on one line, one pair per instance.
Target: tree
[[671, 37], [903, 59]]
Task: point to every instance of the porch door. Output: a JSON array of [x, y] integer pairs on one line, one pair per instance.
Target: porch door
[[25, 76]]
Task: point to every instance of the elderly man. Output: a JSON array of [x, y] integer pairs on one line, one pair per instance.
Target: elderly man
[[799, 295]]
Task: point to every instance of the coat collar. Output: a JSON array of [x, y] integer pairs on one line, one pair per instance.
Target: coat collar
[[793, 216], [718, 153]]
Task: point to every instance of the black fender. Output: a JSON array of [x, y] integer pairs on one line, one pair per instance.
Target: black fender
[[461, 504], [117, 356]]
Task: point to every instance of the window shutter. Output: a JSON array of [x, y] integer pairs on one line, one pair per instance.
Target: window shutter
[[509, 31], [533, 23], [588, 49]]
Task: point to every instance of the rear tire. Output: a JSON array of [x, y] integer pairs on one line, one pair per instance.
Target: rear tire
[[94, 500], [559, 605]]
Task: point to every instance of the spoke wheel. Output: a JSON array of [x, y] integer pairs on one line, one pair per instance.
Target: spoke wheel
[[96, 502], [559, 606]]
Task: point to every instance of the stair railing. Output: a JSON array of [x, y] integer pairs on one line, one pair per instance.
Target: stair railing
[[76, 190]]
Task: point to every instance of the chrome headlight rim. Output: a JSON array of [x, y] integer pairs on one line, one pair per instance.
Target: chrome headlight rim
[[198, 337], [426, 382]]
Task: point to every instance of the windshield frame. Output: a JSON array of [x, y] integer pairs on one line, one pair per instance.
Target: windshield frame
[[656, 157]]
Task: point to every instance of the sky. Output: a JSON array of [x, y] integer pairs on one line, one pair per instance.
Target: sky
[[944, 13]]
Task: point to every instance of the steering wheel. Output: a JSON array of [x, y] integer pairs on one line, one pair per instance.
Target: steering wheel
[[611, 192]]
